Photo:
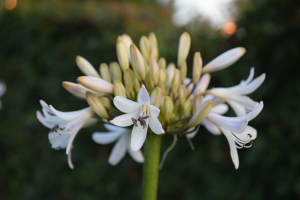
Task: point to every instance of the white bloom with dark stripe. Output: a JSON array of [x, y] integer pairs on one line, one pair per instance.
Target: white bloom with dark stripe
[[141, 114], [64, 126]]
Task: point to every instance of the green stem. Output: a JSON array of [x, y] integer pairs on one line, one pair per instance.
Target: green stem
[[151, 163]]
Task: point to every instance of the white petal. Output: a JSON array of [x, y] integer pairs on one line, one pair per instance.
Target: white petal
[[250, 77], [257, 110], [125, 105], [224, 60], [249, 130], [243, 101], [106, 138], [220, 121], [56, 141], [136, 155], [138, 137], [125, 120], [220, 109], [238, 108], [118, 152], [213, 129], [69, 115], [78, 122], [70, 142], [42, 119], [192, 134], [248, 88], [114, 128], [143, 96], [46, 107], [233, 150], [202, 84], [155, 125], [154, 110]]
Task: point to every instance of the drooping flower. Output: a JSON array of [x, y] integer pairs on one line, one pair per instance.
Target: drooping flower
[[141, 114], [2, 91], [64, 126], [236, 130], [122, 136], [235, 96]]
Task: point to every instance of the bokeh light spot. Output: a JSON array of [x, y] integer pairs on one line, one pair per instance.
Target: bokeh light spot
[[10, 4], [229, 28]]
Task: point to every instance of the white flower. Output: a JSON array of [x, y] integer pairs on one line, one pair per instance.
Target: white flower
[[234, 96], [141, 114], [122, 136], [64, 125], [2, 91], [236, 130]]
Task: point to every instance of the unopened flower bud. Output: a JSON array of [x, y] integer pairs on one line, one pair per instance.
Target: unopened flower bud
[[136, 85], [162, 82], [182, 94], [197, 67], [78, 90], [152, 40], [168, 108], [176, 81], [202, 84], [156, 97], [154, 71], [149, 83], [162, 103], [170, 71], [200, 114], [115, 71], [183, 71], [147, 68], [127, 41], [198, 101], [154, 53], [96, 84], [137, 61], [184, 47], [162, 63], [145, 47], [105, 101], [105, 72], [97, 105], [119, 89], [128, 79], [187, 108], [224, 60], [86, 67], [122, 54]]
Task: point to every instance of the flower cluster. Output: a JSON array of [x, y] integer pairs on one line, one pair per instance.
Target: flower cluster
[[142, 90]]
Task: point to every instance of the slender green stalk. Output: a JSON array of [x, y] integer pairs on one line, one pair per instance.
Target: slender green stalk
[[151, 163]]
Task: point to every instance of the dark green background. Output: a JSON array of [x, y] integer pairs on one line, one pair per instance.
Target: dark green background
[[38, 44]]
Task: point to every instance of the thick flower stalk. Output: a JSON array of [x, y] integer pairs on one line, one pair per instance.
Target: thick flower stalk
[[143, 97]]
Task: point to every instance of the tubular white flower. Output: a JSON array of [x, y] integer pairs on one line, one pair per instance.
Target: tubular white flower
[[78, 90], [122, 136], [236, 130], [64, 125], [224, 60], [235, 96], [141, 114], [202, 84], [2, 91]]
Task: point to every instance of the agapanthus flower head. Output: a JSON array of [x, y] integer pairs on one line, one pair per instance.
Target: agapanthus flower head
[[119, 97]]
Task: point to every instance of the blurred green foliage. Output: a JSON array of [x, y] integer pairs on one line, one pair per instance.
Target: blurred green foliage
[[39, 41]]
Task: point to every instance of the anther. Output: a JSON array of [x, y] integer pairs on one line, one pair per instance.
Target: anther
[[134, 121], [54, 129]]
